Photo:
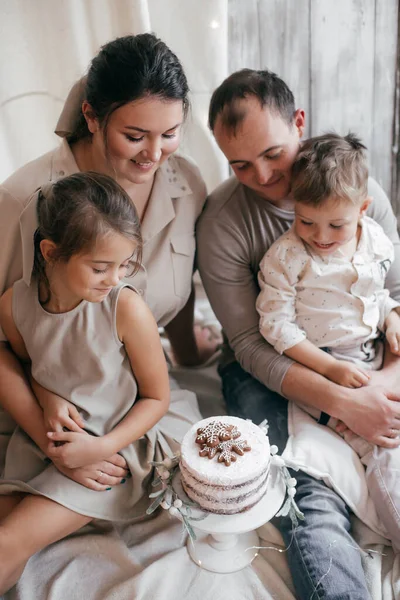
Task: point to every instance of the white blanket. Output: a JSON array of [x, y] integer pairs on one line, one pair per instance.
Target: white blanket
[[149, 560]]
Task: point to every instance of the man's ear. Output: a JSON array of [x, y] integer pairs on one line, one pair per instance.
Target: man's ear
[[365, 205], [300, 121], [48, 248], [90, 117]]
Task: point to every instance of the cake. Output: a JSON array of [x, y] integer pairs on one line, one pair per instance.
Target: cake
[[225, 464]]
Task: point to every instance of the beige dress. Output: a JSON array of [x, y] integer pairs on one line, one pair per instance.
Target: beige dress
[[176, 201], [78, 355]]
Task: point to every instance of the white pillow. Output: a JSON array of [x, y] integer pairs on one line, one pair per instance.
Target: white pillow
[[319, 451]]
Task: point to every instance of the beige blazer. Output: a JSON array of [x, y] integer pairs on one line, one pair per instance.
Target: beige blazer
[[176, 201]]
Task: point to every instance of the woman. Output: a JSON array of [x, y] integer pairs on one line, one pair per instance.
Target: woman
[[135, 99]]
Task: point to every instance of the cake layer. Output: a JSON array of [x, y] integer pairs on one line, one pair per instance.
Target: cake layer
[[220, 492], [227, 506]]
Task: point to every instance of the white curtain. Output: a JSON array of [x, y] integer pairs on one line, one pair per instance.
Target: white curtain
[[46, 45]]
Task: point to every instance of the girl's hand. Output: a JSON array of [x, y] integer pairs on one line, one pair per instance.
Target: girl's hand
[[99, 476], [72, 450], [59, 414]]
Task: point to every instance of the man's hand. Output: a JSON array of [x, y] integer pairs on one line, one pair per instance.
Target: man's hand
[[76, 449], [346, 374], [59, 413], [393, 332], [373, 413], [98, 476]]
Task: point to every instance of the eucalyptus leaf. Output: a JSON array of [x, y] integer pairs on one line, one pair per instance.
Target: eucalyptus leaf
[[155, 504], [155, 494], [285, 508], [168, 495], [189, 528]]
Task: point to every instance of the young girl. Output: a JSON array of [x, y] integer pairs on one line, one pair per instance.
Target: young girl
[[323, 300], [92, 341]]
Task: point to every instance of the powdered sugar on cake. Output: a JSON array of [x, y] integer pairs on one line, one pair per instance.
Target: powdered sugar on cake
[[215, 486]]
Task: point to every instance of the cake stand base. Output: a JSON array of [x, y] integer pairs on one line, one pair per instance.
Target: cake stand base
[[228, 543], [223, 553]]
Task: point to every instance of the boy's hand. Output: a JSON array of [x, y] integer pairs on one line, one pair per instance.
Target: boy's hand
[[73, 450], [393, 332], [347, 374], [59, 414]]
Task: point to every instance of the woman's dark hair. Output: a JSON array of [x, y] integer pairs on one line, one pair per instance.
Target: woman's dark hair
[[75, 211], [127, 69], [269, 89]]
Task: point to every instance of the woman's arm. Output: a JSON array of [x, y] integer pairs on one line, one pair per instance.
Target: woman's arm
[[180, 332], [138, 331], [17, 398], [57, 412]]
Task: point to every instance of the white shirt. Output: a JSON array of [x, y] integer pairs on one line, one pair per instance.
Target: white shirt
[[333, 301]]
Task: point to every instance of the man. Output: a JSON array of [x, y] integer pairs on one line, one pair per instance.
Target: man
[[255, 123]]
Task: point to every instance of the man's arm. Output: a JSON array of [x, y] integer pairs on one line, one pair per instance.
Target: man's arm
[[231, 286], [372, 411], [381, 211]]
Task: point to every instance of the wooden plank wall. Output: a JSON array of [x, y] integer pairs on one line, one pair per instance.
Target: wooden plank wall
[[339, 59]]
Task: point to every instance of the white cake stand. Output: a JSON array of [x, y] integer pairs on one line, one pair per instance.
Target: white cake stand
[[227, 543]]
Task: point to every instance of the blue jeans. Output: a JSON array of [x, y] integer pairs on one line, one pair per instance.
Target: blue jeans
[[323, 557]]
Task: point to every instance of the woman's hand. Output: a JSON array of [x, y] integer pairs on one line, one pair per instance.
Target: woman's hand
[[207, 341], [100, 476], [59, 414], [191, 344], [72, 449]]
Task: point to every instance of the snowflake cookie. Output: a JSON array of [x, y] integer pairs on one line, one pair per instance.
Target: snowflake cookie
[[229, 450], [209, 451], [216, 432]]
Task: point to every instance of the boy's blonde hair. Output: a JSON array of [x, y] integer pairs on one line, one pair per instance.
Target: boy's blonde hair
[[330, 166]]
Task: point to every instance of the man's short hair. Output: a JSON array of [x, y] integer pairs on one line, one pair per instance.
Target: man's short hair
[[267, 87], [330, 166]]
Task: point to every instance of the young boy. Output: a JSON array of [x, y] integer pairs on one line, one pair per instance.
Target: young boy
[[323, 300]]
